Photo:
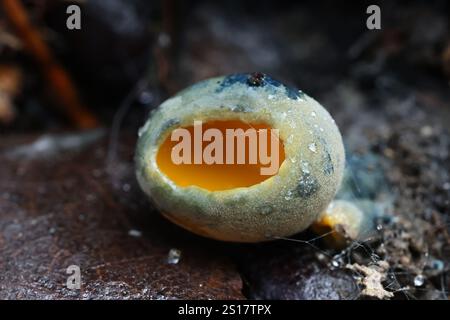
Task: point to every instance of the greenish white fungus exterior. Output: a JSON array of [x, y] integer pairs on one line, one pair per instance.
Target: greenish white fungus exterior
[[280, 206]]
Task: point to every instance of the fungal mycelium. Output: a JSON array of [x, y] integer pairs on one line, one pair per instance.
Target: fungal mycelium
[[280, 185]]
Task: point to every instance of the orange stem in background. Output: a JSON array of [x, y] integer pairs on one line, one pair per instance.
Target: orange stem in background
[[59, 80]]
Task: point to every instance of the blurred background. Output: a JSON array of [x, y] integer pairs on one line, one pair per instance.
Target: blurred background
[[71, 102]]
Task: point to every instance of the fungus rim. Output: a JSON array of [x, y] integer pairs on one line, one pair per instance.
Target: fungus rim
[[214, 214]]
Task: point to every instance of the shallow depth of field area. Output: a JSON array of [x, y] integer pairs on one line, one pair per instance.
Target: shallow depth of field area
[[72, 101]]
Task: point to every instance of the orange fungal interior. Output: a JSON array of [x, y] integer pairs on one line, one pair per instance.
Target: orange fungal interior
[[217, 176]]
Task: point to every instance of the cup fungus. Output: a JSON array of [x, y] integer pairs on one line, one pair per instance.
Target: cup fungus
[[240, 158]]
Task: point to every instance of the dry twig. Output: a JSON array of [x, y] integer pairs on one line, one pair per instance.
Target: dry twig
[[58, 79]]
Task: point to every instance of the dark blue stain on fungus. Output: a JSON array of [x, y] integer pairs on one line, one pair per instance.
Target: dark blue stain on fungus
[[307, 186], [230, 80], [327, 162], [291, 92], [294, 93], [261, 80], [272, 82], [328, 167], [166, 125]]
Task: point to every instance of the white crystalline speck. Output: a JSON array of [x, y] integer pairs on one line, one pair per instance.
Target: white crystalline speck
[[305, 167], [300, 97], [174, 256], [335, 263], [134, 233], [312, 147], [288, 195], [419, 280], [313, 114]]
